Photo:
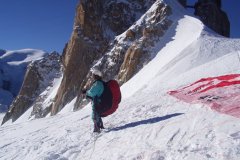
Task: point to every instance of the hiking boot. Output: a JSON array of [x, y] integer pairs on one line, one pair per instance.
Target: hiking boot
[[96, 128], [100, 124]]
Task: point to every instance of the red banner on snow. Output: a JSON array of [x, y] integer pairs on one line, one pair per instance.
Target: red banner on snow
[[220, 93]]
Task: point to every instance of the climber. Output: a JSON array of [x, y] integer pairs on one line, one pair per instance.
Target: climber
[[94, 93]]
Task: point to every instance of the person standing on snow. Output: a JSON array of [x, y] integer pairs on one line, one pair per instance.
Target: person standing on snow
[[94, 94]]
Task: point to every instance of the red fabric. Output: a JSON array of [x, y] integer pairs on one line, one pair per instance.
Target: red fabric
[[116, 95], [221, 93]]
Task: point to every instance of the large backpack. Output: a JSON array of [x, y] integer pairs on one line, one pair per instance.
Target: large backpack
[[109, 99]]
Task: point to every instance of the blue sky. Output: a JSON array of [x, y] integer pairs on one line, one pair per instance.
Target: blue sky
[[38, 24], [47, 24]]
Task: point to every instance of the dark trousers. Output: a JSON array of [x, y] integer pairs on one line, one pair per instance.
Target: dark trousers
[[97, 120]]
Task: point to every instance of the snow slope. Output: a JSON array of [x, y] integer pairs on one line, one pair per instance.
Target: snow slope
[[149, 124], [154, 129], [13, 65], [18, 57]]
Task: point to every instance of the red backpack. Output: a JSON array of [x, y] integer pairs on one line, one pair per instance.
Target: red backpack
[[110, 98]]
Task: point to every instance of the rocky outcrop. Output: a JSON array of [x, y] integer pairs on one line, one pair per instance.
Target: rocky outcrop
[[86, 44], [138, 53], [213, 16], [50, 70], [131, 51], [95, 27], [76, 60], [39, 76], [130, 63]]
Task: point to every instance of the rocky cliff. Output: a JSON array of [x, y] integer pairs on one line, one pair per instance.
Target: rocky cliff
[[113, 37], [38, 78], [95, 27], [213, 16], [132, 49]]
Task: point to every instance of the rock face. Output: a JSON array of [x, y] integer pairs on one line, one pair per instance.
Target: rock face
[[93, 43], [138, 53], [86, 44], [40, 74], [212, 16], [96, 25], [130, 51]]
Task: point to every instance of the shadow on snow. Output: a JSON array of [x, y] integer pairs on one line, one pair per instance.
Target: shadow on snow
[[146, 121]]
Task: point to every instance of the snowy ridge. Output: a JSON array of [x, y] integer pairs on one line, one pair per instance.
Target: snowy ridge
[[183, 36], [150, 124], [18, 57]]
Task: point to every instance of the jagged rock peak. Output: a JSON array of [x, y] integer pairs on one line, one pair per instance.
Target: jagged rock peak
[[213, 16], [108, 18], [39, 76]]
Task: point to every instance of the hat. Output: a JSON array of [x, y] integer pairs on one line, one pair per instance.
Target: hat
[[97, 72]]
